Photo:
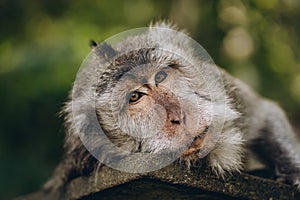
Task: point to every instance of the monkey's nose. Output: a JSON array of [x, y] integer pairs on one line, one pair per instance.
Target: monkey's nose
[[172, 125], [174, 118], [177, 118], [175, 121]]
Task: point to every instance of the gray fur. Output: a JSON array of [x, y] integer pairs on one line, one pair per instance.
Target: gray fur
[[249, 120]]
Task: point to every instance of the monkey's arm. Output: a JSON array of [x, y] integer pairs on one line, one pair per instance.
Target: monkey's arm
[[268, 132]]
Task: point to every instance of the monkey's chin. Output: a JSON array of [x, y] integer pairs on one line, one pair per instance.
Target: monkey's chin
[[196, 145]]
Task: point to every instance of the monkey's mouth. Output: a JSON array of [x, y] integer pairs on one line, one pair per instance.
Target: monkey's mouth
[[196, 143]]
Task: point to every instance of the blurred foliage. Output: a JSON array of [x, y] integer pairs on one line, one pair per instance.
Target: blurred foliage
[[42, 44]]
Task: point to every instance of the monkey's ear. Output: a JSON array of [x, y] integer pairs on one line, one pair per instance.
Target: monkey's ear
[[103, 50], [93, 44]]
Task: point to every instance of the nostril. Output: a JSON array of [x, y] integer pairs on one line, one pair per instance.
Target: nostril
[[175, 121]]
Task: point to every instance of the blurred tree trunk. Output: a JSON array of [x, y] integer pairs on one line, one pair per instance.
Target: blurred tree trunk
[[172, 182]]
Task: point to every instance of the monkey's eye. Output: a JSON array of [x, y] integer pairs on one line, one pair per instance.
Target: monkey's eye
[[135, 96], [160, 77]]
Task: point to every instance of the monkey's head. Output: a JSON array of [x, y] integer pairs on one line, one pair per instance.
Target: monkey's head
[[154, 103], [157, 93]]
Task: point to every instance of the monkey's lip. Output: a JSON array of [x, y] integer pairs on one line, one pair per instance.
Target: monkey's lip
[[197, 143]]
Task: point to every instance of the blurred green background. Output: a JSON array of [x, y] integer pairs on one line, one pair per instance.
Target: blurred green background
[[43, 42]]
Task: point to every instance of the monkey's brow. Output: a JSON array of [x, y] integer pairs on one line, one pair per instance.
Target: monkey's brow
[[132, 77]]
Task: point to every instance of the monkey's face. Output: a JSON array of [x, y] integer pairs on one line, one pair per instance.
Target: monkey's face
[[157, 106], [154, 92]]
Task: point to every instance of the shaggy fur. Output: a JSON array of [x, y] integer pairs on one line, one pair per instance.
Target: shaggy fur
[[248, 121]]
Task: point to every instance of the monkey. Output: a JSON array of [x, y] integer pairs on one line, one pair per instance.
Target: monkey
[[156, 93]]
